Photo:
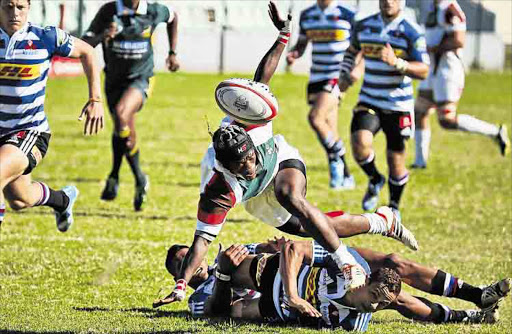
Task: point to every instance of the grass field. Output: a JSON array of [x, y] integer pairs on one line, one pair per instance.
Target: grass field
[[103, 274]]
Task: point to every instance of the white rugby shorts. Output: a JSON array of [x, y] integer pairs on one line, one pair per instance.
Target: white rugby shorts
[[265, 206], [447, 83]]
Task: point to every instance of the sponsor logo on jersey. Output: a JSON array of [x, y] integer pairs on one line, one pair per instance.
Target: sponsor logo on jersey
[[325, 35], [372, 50], [310, 293], [19, 72], [146, 33]]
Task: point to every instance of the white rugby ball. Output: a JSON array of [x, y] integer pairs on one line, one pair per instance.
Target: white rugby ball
[[246, 100]]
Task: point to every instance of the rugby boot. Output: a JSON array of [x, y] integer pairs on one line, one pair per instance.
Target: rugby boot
[[141, 190], [395, 228], [474, 317], [336, 174], [349, 183], [503, 141], [64, 218], [371, 197], [111, 189], [493, 294], [417, 165]]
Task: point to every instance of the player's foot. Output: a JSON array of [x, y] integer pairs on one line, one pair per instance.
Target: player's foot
[[111, 188], [396, 229], [371, 197], [476, 317], [417, 165], [64, 218], [141, 190], [336, 174], [493, 294], [349, 183], [503, 141]]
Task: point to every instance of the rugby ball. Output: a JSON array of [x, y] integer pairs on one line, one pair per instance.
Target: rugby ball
[[247, 101]]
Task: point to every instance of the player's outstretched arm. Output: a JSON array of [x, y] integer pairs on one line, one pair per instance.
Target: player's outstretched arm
[[93, 109], [269, 62], [292, 256], [172, 33]]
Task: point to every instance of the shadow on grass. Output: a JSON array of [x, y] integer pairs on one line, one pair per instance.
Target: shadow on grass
[[144, 311]]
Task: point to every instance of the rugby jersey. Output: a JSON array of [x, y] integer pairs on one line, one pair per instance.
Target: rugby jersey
[[323, 288], [24, 63], [443, 19], [384, 86], [197, 300], [329, 32], [221, 190]]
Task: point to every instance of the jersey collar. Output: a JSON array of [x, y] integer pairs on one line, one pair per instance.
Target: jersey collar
[[393, 25], [142, 9], [22, 30], [329, 7]]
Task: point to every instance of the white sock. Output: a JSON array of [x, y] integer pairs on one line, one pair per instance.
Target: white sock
[[378, 224], [342, 256], [422, 141], [472, 124]]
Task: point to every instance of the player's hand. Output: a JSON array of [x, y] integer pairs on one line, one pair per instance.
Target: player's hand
[[231, 258], [275, 245], [177, 295], [303, 307], [387, 55], [291, 57], [93, 111], [281, 25], [110, 32], [172, 63], [355, 276]]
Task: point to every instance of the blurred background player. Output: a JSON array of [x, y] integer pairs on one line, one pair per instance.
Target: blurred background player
[[25, 54], [124, 28], [445, 35], [327, 25], [394, 51]]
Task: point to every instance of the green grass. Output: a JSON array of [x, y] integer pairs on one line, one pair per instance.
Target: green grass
[[103, 274]]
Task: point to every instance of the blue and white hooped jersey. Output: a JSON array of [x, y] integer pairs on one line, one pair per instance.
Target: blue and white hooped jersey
[[384, 86], [24, 64], [329, 32]]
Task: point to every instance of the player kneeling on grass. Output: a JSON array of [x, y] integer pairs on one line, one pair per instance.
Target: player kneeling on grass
[[302, 284], [25, 54], [251, 166]]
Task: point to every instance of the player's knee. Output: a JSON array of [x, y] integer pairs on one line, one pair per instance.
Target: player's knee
[[396, 262], [17, 204], [447, 116], [314, 119]]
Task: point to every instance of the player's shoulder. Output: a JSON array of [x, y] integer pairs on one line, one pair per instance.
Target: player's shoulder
[[366, 21], [109, 8], [155, 7], [347, 12], [411, 28], [308, 11]]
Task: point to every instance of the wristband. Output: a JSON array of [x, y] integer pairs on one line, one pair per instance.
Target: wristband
[[93, 99], [180, 289], [222, 277], [283, 37], [401, 65]]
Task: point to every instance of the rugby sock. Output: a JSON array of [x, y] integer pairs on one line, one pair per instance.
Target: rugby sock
[[368, 166], [55, 199], [396, 188], [378, 224], [444, 284], [472, 124], [422, 141], [133, 161], [118, 150], [443, 314], [2, 212]]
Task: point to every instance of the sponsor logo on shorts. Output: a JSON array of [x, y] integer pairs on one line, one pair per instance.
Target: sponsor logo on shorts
[[19, 72], [325, 35]]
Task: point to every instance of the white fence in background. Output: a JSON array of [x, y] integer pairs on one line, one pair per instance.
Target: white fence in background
[[248, 33]]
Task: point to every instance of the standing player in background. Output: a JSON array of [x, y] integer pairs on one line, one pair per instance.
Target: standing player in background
[[124, 28], [327, 25], [394, 51], [446, 34], [25, 54]]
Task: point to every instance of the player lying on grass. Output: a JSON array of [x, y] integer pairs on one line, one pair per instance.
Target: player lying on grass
[[251, 166], [26, 51], [303, 284]]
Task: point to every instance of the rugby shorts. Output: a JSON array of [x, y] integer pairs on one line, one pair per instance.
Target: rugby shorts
[[328, 86], [446, 80], [32, 143], [398, 126], [263, 271], [265, 205], [115, 90]]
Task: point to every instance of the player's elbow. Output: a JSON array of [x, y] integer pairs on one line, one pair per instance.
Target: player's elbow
[[422, 72]]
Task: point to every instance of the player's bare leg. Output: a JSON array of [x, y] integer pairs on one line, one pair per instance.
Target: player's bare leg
[[323, 118], [422, 135], [362, 149], [12, 164]]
